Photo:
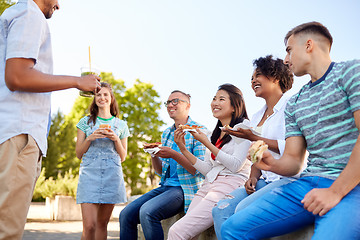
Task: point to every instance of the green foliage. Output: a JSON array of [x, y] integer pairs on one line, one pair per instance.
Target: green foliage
[[4, 4], [61, 154], [54, 151], [138, 106], [140, 111], [63, 185]]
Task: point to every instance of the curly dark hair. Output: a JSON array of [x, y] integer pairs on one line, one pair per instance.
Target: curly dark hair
[[275, 68]]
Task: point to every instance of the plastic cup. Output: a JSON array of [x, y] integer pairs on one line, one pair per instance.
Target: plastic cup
[[87, 71]]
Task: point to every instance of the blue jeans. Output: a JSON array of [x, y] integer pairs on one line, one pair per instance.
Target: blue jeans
[[239, 199], [148, 210], [281, 211]]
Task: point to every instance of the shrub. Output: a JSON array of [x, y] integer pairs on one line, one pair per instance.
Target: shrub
[[63, 185]]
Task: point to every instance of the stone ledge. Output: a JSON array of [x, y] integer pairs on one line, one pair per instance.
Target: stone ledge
[[63, 208], [167, 223], [302, 234]]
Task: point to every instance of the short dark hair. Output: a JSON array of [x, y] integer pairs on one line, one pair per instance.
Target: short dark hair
[[310, 27], [275, 68], [185, 94]]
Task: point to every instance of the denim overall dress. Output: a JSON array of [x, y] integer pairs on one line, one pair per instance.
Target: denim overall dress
[[101, 177]]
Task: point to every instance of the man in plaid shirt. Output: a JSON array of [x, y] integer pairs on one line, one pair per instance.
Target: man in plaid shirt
[[179, 182]]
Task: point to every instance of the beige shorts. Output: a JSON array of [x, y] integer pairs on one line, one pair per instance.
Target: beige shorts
[[20, 166]]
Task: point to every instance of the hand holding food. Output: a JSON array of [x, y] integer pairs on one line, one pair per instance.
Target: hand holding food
[[227, 127], [151, 145], [152, 148], [256, 150], [97, 134], [106, 130], [187, 127], [166, 152], [105, 126], [241, 131]]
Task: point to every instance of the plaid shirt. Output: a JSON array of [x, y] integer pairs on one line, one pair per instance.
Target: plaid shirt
[[189, 183]]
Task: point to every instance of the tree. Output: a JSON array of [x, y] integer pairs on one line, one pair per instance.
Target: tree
[[61, 156], [140, 110], [54, 142], [138, 106], [4, 4]]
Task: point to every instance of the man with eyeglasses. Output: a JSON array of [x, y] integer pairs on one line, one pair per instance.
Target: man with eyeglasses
[[178, 184]]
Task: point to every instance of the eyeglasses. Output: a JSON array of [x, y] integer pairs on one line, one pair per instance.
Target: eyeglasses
[[174, 102]]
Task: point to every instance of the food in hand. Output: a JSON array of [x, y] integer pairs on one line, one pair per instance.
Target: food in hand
[[186, 126], [152, 145], [227, 127], [256, 150], [106, 126]]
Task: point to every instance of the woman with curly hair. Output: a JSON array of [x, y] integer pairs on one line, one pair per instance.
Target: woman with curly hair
[[271, 79]]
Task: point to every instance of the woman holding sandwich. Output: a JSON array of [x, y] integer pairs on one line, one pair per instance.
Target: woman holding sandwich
[[102, 147], [225, 166], [271, 79]]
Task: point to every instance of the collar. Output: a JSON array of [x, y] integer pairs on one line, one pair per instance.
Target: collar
[[283, 100], [105, 119], [313, 84]]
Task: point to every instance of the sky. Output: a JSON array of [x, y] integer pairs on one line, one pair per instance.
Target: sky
[[189, 45]]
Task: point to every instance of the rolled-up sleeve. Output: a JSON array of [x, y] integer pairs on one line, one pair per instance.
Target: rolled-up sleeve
[[281, 146]]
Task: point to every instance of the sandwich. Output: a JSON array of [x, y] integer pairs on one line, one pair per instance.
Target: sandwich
[[256, 150], [151, 145], [106, 126], [186, 126], [227, 127]]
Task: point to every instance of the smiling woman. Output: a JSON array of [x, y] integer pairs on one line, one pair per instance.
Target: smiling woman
[[102, 146], [270, 80]]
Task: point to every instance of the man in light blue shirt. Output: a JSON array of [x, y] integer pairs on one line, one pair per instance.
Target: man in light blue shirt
[[26, 81]]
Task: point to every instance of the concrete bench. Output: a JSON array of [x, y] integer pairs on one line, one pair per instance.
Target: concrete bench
[[167, 223], [302, 234]]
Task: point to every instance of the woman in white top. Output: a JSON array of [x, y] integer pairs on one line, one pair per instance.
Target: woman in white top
[[270, 80], [225, 166]]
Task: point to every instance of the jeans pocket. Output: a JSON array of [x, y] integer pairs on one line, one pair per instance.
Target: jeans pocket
[[86, 161], [116, 161]]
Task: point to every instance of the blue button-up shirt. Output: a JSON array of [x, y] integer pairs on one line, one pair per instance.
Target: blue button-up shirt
[[189, 183]]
